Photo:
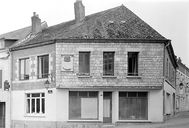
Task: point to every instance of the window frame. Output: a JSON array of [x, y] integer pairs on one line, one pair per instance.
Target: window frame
[[133, 74], [109, 61], [20, 77], [41, 98], [126, 95], [89, 59], [42, 75], [78, 95]]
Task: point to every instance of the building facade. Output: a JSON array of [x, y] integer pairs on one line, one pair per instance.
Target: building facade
[[182, 87], [108, 67]]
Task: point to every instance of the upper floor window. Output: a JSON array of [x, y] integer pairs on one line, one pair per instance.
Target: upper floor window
[[2, 44], [84, 63], [35, 103], [108, 63], [24, 69], [133, 63], [43, 66]]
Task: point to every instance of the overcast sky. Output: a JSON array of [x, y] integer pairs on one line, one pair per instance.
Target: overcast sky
[[169, 17]]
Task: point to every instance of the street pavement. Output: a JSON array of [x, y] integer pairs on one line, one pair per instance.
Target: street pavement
[[180, 120]]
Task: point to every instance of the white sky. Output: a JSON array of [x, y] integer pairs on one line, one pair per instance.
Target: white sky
[[169, 17]]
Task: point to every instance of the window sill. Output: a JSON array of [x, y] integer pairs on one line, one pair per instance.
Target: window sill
[[125, 121], [109, 76], [35, 115], [84, 76], [81, 121], [134, 77]]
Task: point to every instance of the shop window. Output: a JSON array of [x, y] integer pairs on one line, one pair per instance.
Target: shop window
[[43, 66], [108, 63], [35, 103], [133, 106], [24, 69], [83, 105], [132, 63], [84, 63]]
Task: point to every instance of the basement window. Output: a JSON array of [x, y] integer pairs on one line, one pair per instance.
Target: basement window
[[132, 63]]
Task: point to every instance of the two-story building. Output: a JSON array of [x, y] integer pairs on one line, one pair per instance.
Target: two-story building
[[108, 67], [182, 87]]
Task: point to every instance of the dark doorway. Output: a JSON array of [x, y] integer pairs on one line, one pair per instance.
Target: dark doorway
[[2, 115], [107, 107]]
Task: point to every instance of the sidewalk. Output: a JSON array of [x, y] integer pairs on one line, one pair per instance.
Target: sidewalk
[[178, 120]]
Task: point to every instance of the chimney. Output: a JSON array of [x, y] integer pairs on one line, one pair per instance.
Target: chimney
[[79, 11], [36, 23]]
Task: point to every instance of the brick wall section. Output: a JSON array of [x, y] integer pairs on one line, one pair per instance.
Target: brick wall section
[[32, 53], [150, 64]]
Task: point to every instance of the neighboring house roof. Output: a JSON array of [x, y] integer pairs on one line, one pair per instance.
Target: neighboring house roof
[[17, 34], [115, 23]]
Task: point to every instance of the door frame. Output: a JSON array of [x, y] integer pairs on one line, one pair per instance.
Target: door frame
[[107, 95]]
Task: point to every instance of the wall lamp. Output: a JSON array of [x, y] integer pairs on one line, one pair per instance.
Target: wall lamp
[[6, 85]]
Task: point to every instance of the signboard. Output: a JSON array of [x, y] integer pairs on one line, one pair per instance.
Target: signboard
[[67, 63]]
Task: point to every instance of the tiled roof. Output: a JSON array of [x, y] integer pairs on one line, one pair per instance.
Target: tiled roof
[[17, 34], [114, 23]]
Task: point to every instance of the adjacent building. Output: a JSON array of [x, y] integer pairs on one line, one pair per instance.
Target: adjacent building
[[182, 87], [108, 67], [6, 41]]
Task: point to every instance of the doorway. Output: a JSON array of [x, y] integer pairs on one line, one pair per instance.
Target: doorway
[[107, 107], [2, 114]]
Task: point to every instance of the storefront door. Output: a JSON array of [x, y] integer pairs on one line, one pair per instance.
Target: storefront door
[[107, 107]]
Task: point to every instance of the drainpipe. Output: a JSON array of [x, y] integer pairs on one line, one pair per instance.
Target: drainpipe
[[165, 46], [10, 89]]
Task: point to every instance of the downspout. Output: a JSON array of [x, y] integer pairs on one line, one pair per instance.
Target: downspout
[[164, 63], [10, 89]]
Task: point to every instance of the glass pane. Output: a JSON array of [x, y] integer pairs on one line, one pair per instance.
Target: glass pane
[[46, 67], [43, 105], [22, 69], [28, 106], [89, 108], [74, 108], [133, 108], [108, 63], [132, 94], [28, 95], [36, 95], [33, 105], [84, 63], [26, 74], [38, 106], [122, 94], [142, 94], [73, 93], [83, 94], [93, 94], [43, 94]]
